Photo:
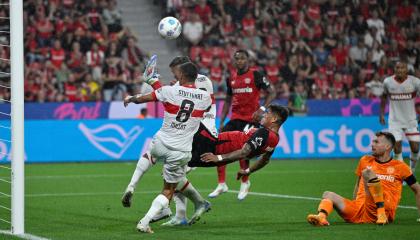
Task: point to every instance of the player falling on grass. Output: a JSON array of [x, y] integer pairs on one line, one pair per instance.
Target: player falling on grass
[[184, 107], [402, 89], [243, 94], [377, 191], [184, 188], [209, 151]]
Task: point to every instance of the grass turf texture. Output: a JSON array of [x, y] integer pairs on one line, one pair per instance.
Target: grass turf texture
[[82, 201]]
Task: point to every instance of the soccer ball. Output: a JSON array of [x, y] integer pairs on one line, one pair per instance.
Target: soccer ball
[[169, 28]]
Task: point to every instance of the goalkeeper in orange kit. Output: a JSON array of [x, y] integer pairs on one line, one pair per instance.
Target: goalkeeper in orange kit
[[377, 191]]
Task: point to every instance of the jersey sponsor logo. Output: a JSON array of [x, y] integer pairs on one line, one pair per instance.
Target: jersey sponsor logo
[[179, 126], [402, 96], [388, 178], [242, 90], [247, 80], [111, 139], [390, 170]]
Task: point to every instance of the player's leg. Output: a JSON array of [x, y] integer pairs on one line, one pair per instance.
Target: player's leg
[[143, 165], [373, 188], [413, 137], [398, 134], [159, 203], [244, 164], [180, 218], [329, 202]]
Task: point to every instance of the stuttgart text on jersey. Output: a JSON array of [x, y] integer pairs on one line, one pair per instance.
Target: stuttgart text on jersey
[[190, 95]]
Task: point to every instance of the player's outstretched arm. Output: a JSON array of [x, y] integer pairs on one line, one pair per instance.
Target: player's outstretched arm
[[356, 187], [139, 98], [264, 160], [416, 189], [228, 157]]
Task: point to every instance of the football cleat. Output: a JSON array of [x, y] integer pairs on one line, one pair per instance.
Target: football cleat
[[382, 219], [144, 228], [204, 207], [243, 191], [126, 198], [317, 220], [221, 188], [175, 222], [163, 214]]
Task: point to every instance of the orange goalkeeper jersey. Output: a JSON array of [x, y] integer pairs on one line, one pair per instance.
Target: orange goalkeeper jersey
[[391, 174]]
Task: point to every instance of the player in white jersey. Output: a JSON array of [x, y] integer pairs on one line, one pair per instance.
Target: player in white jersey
[[185, 188], [402, 89], [184, 106]]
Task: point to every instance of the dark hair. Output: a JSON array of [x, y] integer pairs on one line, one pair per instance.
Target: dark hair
[[242, 51], [281, 112], [179, 60], [388, 136], [189, 70]]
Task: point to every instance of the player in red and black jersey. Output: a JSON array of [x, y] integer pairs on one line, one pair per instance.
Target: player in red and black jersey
[[243, 94], [209, 151]]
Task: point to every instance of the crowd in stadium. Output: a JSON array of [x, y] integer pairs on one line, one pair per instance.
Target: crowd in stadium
[[337, 49], [81, 51]]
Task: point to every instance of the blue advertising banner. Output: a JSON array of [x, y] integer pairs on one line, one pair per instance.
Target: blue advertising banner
[[113, 140]]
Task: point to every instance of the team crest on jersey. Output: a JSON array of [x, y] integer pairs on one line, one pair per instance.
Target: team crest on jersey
[[390, 170], [232, 82], [247, 80], [201, 79]]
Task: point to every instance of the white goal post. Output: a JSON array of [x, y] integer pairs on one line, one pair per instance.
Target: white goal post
[[17, 116]]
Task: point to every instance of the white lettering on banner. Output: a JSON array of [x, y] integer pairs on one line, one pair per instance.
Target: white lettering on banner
[[342, 133], [284, 143], [359, 139], [297, 136], [326, 141], [98, 141], [323, 138]]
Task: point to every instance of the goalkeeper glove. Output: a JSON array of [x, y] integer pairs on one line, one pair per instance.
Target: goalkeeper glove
[[150, 70]]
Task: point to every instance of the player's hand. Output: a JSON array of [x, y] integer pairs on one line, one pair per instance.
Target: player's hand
[[209, 157], [127, 100], [256, 116], [241, 173], [382, 119]]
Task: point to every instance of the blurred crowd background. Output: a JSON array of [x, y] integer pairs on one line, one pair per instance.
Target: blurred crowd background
[[81, 51]]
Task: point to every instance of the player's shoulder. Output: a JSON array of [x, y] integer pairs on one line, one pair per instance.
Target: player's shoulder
[[413, 78], [202, 78], [367, 158], [389, 79]]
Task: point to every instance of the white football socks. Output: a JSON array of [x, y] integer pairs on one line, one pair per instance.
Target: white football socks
[[180, 205], [143, 165], [159, 203], [414, 157]]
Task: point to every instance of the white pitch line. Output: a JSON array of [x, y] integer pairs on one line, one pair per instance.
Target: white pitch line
[[24, 236], [274, 195]]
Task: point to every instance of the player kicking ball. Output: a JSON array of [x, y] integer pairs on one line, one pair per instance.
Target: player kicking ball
[[377, 191]]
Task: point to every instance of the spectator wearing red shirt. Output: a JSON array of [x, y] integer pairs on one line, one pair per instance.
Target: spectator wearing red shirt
[[44, 29], [95, 59], [132, 54], [203, 10], [57, 54], [405, 11], [206, 57], [248, 24], [76, 60], [340, 54], [272, 71], [70, 88], [216, 76]]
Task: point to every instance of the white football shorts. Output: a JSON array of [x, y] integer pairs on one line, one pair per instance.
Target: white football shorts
[[412, 134]]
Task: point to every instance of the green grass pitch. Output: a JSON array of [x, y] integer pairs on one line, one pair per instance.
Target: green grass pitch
[[82, 201]]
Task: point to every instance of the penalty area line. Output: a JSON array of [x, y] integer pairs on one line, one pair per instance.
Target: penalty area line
[[23, 236]]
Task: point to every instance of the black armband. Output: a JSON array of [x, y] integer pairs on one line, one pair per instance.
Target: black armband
[[410, 180]]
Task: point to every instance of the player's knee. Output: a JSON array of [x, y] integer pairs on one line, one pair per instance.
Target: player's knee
[[328, 195]]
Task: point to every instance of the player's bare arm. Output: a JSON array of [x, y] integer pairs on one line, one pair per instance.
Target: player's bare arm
[[225, 110], [356, 186], [271, 95], [264, 160], [416, 189], [228, 157], [384, 99], [139, 98]]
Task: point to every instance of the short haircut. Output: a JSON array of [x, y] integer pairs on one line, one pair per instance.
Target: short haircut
[[179, 60], [281, 112], [189, 70], [388, 136], [242, 51]]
